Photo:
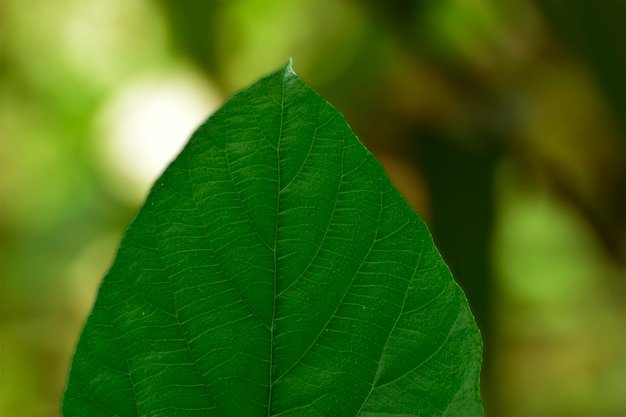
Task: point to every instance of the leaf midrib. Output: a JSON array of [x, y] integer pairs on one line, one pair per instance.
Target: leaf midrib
[[275, 289]]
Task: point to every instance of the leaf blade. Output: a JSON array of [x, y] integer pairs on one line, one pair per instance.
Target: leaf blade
[[274, 270]]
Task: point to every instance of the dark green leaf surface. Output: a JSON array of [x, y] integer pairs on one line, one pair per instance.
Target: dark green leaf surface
[[274, 271]]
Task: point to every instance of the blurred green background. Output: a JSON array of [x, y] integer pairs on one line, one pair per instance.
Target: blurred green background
[[502, 123]]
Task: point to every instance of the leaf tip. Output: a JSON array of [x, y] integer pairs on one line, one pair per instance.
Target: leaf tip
[[288, 68]]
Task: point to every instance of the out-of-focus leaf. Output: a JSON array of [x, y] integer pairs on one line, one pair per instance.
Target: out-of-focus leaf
[[596, 33]]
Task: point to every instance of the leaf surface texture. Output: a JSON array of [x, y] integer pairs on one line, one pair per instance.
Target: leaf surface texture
[[275, 271]]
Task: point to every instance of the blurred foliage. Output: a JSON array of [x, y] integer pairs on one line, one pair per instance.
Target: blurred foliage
[[501, 122]]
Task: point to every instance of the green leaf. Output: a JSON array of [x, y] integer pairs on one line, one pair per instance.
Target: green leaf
[[275, 271]]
